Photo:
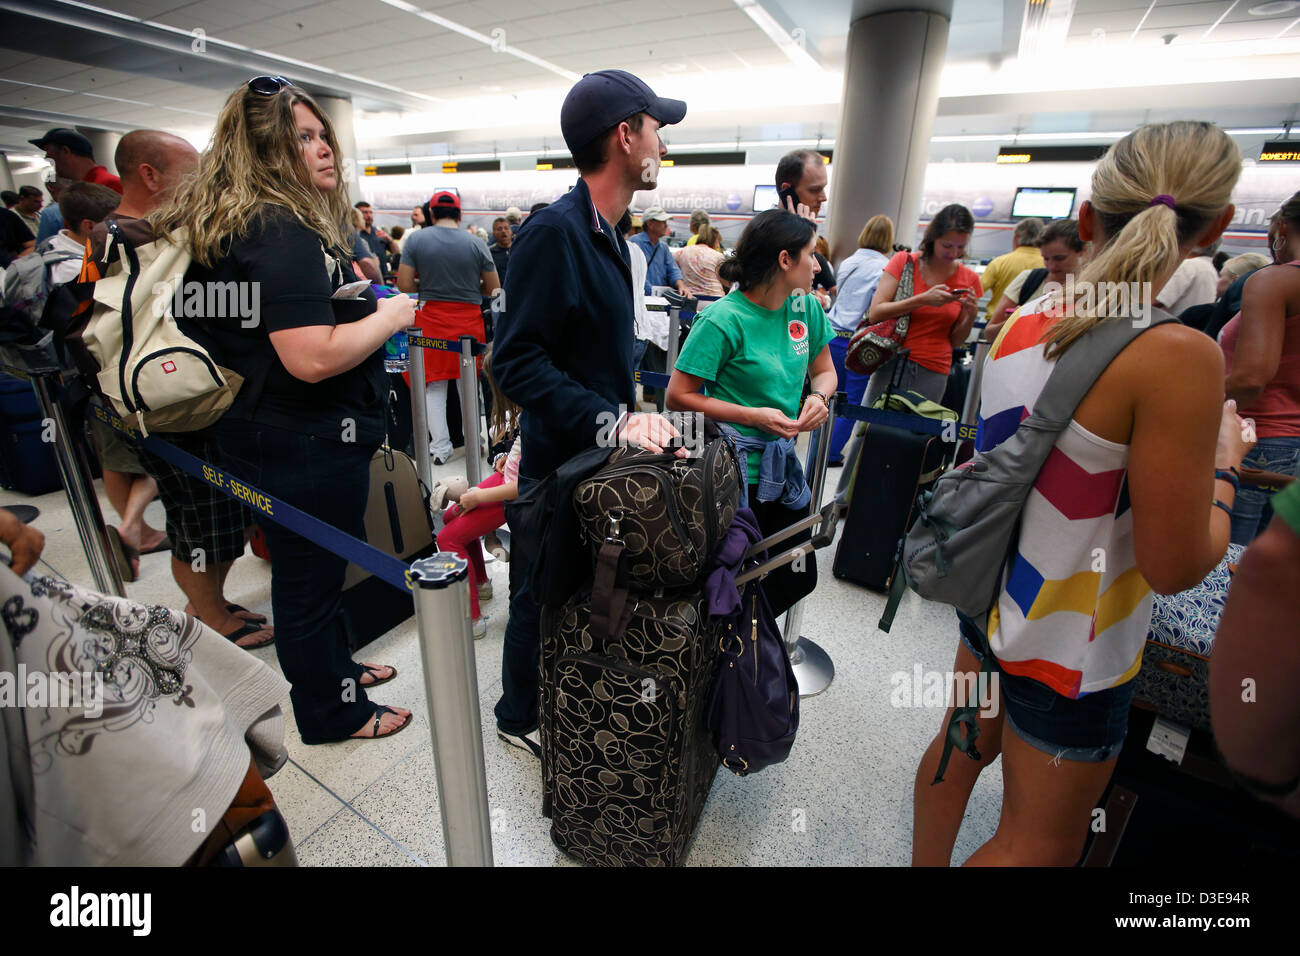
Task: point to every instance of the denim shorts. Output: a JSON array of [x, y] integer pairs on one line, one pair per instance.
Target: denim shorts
[[1088, 729]]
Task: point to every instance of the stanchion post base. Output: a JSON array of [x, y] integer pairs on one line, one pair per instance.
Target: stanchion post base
[[813, 667]]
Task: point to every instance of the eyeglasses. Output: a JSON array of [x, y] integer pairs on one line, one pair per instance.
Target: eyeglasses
[[268, 85]]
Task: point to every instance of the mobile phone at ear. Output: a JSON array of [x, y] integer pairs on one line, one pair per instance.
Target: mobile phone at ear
[[789, 194]]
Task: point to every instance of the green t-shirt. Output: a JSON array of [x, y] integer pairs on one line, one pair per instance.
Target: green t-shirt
[[756, 357], [1286, 505]]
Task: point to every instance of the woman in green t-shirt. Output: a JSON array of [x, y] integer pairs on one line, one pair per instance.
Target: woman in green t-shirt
[[750, 351]]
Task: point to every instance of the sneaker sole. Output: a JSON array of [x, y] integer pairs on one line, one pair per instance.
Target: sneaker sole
[[521, 743]]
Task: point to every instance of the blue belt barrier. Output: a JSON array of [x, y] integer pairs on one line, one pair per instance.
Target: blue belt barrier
[[383, 566], [948, 431], [443, 345]]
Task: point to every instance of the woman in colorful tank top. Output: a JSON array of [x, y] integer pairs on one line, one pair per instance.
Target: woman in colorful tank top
[[1261, 346], [1134, 498]]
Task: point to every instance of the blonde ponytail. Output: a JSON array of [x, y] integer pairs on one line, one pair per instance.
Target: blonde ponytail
[[1195, 163]]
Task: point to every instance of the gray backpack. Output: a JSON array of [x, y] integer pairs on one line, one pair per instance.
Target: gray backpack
[[968, 523]]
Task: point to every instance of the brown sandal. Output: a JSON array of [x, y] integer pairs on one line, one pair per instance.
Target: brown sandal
[[374, 731]]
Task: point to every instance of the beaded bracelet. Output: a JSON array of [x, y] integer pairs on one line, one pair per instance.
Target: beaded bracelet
[[1219, 504], [1231, 476]]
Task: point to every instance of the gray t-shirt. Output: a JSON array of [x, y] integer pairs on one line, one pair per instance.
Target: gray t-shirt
[[448, 262]]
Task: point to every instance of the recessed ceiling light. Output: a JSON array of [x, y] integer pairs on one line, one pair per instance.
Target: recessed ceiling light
[[674, 67], [1275, 8]]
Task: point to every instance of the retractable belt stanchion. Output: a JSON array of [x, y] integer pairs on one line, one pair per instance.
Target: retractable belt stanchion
[[813, 667], [469, 411], [674, 335], [77, 483], [442, 610], [419, 412], [971, 408]]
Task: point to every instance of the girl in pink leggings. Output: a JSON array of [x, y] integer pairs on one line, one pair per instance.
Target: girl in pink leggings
[[481, 509]]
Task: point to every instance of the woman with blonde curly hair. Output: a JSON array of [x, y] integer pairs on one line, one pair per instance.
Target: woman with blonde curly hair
[[266, 211]]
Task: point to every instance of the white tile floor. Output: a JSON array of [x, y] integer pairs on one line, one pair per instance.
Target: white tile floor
[[843, 796]]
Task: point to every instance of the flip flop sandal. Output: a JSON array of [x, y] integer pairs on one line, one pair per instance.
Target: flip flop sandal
[[374, 670], [124, 554], [240, 609], [164, 545], [374, 731], [244, 632]]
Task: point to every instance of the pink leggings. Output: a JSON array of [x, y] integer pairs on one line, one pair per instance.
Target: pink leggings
[[463, 531]]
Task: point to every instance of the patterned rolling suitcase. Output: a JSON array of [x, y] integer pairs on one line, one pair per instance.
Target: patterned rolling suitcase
[[627, 756]]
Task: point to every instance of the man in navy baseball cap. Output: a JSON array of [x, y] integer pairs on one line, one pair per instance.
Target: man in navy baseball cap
[[564, 345], [74, 158]]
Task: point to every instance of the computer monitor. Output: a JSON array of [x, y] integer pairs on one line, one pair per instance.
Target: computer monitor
[[1043, 202], [764, 198]]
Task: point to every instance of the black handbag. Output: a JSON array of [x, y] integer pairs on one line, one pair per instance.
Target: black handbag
[[754, 714]]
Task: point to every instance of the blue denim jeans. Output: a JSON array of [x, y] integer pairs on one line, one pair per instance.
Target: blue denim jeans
[[855, 386], [1251, 510]]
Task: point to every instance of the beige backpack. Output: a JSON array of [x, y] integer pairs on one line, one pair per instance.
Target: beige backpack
[[156, 376]]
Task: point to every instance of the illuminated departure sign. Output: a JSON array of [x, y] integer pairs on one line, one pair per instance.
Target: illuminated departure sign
[[400, 169], [471, 166], [1051, 154], [1281, 151]]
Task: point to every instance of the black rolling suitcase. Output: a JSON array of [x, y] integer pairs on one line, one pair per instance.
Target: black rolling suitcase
[[895, 466], [627, 756], [954, 395]]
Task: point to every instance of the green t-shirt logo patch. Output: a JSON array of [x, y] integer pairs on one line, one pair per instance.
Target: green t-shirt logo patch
[[799, 336]]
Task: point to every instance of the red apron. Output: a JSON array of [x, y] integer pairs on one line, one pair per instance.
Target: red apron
[[447, 320]]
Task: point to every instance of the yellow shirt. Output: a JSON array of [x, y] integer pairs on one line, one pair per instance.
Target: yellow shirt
[[691, 241], [999, 273]]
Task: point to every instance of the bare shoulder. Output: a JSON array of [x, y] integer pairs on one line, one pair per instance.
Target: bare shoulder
[[1172, 347]]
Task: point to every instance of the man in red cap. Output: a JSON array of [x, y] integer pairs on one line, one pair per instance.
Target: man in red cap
[[74, 158], [452, 271]]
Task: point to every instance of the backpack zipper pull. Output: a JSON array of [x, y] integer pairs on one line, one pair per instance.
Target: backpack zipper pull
[[753, 637]]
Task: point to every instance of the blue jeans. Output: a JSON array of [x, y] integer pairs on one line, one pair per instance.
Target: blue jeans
[[516, 711], [330, 481], [1251, 509], [853, 384]]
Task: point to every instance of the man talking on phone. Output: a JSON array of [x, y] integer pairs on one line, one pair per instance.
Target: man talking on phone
[[801, 186], [563, 349]]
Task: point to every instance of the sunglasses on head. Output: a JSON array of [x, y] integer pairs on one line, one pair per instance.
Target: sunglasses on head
[[268, 85]]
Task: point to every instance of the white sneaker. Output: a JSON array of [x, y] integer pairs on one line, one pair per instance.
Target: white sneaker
[[485, 591], [480, 627], [532, 741]]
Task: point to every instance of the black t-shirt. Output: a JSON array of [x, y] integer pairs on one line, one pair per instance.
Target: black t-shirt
[[14, 234], [295, 278], [825, 279]]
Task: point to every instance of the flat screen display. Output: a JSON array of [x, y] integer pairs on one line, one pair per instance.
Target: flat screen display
[[1043, 202], [764, 198]]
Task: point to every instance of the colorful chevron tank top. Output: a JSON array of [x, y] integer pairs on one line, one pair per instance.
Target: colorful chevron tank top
[[1074, 609]]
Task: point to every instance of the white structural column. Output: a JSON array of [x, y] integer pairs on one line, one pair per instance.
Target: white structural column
[[6, 176], [339, 111], [891, 93], [104, 143]]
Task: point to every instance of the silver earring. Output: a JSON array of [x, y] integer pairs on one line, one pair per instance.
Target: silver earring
[[1279, 244]]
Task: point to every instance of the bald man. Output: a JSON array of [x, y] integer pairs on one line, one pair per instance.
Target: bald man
[[150, 163]]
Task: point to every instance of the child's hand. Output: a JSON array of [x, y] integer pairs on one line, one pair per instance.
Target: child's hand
[[469, 500]]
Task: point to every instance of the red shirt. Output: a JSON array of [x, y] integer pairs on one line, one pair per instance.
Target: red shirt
[[102, 177], [930, 325]]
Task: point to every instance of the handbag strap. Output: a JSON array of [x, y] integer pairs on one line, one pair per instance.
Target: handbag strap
[[610, 608]]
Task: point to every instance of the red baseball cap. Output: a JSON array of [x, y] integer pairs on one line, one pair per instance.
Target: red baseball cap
[[444, 197]]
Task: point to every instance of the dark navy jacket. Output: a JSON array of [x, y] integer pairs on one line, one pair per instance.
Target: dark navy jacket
[[563, 345]]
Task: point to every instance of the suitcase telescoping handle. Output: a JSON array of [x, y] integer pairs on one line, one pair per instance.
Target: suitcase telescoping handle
[[828, 517]]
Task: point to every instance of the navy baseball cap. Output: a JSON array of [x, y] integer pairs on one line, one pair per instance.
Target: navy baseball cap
[[61, 136], [601, 100]]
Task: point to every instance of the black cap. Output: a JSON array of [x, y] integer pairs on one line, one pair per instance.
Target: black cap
[[601, 100], [70, 138]]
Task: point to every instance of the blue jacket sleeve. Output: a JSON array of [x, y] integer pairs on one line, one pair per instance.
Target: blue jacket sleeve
[[538, 325]]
